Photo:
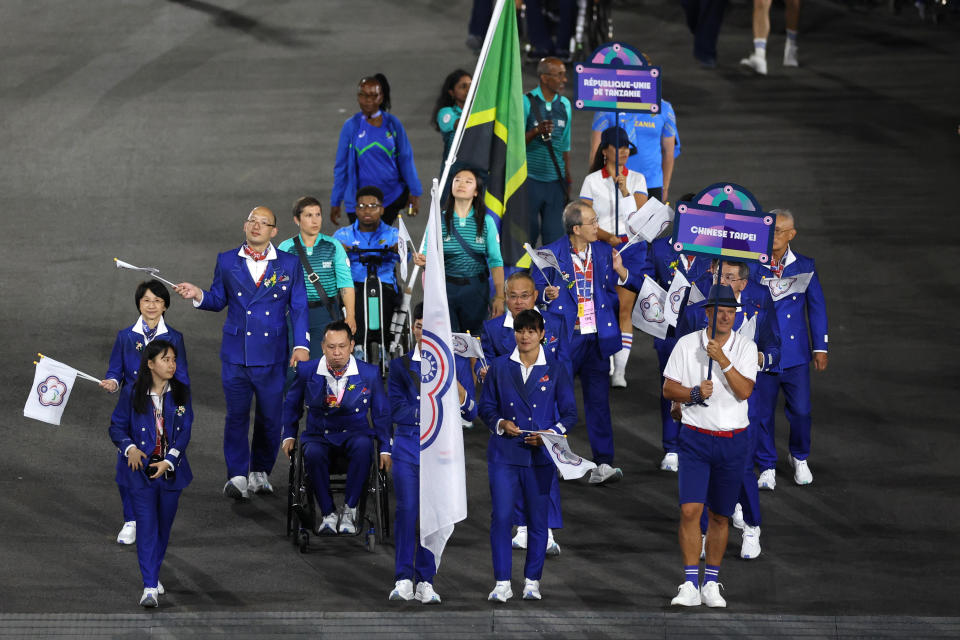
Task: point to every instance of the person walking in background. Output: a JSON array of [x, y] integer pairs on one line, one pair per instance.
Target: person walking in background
[[761, 31]]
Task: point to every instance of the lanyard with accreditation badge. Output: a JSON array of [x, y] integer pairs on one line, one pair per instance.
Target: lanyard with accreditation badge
[[583, 277]]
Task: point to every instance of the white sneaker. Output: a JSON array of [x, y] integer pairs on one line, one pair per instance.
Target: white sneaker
[[670, 462], [756, 62], [150, 598], [710, 593], [605, 473], [790, 58], [688, 595], [737, 518], [466, 424], [425, 594], [531, 590], [128, 533], [259, 483], [329, 523], [703, 547], [348, 520], [520, 540], [801, 471], [750, 548], [553, 549], [402, 590], [767, 480], [501, 592], [236, 488], [160, 590], [619, 379]]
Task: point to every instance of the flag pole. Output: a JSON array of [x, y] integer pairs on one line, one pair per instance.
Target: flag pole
[[80, 374]]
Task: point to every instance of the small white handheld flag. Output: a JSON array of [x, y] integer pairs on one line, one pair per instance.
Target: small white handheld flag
[[571, 465], [151, 270], [466, 346], [780, 288], [749, 328], [675, 295], [52, 383], [649, 314], [402, 246], [650, 220], [695, 296], [542, 258]]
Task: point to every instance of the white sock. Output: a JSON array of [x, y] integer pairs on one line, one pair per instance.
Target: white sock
[[760, 47], [620, 359]]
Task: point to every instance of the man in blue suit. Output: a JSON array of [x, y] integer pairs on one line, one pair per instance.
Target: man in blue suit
[[793, 285], [414, 562], [582, 300], [259, 286], [523, 393], [757, 320], [667, 263], [343, 396]]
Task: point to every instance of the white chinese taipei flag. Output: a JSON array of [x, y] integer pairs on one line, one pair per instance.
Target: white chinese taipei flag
[[675, 296], [571, 465], [542, 258], [466, 346], [649, 314], [649, 221], [749, 328], [402, 246], [780, 288], [52, 383], [443, 479]]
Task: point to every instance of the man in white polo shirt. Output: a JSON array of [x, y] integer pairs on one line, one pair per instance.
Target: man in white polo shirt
[[712, 440]]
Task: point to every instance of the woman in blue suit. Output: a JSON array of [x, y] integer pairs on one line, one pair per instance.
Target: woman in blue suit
[[151, 427], [523, 393], [152, 300]]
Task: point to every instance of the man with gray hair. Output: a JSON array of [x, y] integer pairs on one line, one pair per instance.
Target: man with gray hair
[[794, 286], [582, 300]]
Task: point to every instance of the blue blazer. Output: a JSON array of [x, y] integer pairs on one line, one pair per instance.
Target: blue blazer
[[255, 331], [666, 262], [532, 406], [802, 316], [125, 357], [404, 396], [364, 395], [562, 311], [755, 303], [139, 429]]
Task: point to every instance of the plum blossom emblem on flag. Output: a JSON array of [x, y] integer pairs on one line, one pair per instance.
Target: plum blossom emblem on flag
[[52, 391]]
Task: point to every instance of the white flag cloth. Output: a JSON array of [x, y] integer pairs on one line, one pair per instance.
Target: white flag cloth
[[649, 314], [466, 346], [52, 383], [402, 246], [542, 258], [443, 478], [695, 295], [749, 328], [571, 465], [780, 288], [151, 270], [678, 289], [650, 220]]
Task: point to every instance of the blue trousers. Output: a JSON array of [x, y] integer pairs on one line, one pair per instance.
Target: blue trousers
[[537, 31], [155, 508], [795, 382], [240, 385], [546, 201], [127, 502], [480, 16], [505, 482], [413, 562], [669, 425], [554, 513], [594, 372], [704, 18], [358, 449]]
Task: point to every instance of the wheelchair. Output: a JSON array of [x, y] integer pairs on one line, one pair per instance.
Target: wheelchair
[[373, 510]]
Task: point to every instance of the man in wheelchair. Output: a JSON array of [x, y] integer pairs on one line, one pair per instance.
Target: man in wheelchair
[[342, 396]]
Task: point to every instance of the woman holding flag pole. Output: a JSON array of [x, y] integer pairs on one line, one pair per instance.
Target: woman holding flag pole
[[152, 300]]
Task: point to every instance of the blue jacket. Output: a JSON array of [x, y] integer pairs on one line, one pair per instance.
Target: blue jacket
[[755, 302], [364, 395], [498, 340], [562, 311], [139, 429], [666, 262], [802, 316], [255, 331], [125, 357], [345, 168], [404, 396], [532, 406]]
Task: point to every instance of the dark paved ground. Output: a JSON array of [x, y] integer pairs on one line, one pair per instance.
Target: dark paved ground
[[147, 130]]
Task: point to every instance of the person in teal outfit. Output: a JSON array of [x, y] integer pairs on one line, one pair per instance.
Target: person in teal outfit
[[449, 107], [471, 253]]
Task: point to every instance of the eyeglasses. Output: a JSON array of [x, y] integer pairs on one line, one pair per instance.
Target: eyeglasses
[[521, 296], [592, 223], [259, 222], [729, 277], [361, 206], [781, 232]]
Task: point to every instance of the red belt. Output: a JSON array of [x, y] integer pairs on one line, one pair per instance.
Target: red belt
[[715, 434]]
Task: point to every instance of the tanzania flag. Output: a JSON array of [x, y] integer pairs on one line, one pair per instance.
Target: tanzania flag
[[493, 138]]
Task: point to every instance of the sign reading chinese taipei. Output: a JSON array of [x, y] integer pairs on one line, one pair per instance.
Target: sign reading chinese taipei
[[724, 221], [617, 78]]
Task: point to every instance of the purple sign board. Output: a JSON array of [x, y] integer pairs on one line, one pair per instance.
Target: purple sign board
[[617, 88], [713, 232]]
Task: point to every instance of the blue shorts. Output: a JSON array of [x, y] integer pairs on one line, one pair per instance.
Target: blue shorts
[[711, 469]]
